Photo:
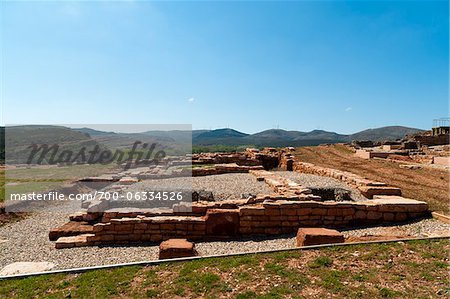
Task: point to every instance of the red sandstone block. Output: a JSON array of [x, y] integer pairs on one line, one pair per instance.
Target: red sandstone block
[[388, 216], [272, 212], [245, 223], [122, 237], [272, 230], [334, 212], [319, 211], [156, 238], [145, 237], [370, 191], [167, 226], [181, 226], [124, 227], [251, 211], [317, 236], [245, 230], [176, 248], [400, 216], [348, 218], [107, 238], [304, 211], [289, 212], [136, 237], [140, 226], [222, 222], [372, 215], [348, 211], [125, 232], [73, 241], [360, 215], [310, 222]]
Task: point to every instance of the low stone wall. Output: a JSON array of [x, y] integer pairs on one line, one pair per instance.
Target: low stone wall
[[286, 217], [267, 158], [224, 168], [361, 153], [268, 218], [367, 187]]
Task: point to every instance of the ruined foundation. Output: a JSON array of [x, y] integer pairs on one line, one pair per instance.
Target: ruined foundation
[[290, 207]]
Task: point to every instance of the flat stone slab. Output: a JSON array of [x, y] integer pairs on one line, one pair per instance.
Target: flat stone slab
[[175, 248], [371, 191], [74, 241], [26, 267], [128, 180], [71, 228], [317, 236]]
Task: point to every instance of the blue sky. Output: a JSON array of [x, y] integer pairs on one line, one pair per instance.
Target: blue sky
[[299, 65]]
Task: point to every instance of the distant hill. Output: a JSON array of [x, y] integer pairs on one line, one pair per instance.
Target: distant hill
[[18, 140], [279, 137], [385, 133], [221, 133], [93, 132], [272, 137], [21, 136]]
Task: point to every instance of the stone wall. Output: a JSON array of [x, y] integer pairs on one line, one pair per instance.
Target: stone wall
[[268, 218], [367, 187]]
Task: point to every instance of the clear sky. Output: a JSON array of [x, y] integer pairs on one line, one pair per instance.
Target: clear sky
[[298, 65]]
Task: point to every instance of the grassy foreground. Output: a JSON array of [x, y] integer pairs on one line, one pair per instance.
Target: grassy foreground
[[414, 269]]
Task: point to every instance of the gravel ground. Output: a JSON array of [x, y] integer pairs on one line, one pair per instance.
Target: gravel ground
[[316, 181], [223, 186], [27, 241]]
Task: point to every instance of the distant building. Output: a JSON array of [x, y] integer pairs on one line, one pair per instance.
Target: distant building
[[441, 126]]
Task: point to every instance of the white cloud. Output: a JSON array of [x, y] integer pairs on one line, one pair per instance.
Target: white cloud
[[348, 109], [190, 100]]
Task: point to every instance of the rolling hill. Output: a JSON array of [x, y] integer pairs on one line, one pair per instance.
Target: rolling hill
[[24, 135], [384, 133], [278, 137]]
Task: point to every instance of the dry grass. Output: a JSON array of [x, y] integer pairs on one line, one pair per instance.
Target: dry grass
[[427, 184]]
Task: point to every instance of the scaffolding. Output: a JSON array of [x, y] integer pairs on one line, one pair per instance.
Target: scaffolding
[[441, 122], [441, 126]]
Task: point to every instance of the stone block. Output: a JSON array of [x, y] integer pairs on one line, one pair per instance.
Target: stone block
[[176, 248], [222, 222], [317, 236], [74, 241], [370, 191]]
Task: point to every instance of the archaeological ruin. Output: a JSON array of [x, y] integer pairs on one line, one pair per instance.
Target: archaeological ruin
[[284, 209]]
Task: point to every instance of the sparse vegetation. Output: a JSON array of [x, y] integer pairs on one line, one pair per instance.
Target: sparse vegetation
[[391, 270]]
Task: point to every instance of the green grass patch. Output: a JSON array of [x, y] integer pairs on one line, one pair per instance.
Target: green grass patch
[[324, 272], [321, 261]]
